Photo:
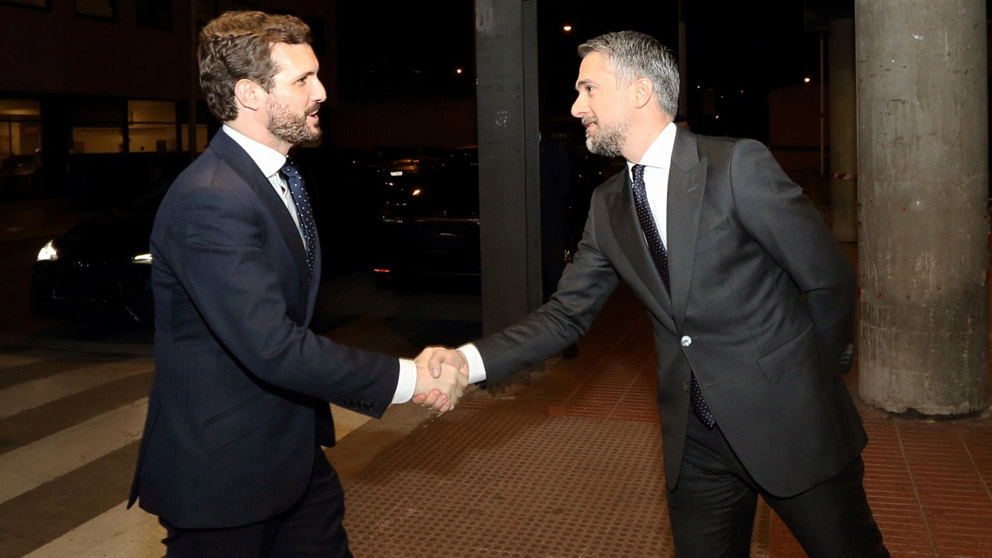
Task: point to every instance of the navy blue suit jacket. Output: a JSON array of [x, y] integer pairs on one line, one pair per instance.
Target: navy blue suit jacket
[[241, 390]]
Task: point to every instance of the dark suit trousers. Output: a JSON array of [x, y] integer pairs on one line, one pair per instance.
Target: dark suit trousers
[[310, 529], [713, 505]]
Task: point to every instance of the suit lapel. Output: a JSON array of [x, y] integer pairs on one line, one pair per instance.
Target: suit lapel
[[241, 162], [686, 185], [314, 280]]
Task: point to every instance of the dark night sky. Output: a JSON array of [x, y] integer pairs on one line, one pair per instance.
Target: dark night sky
[[750, 43], [397, 48]]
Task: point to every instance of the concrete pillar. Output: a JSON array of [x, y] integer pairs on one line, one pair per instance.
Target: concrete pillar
[[843, 131], [923, 251], [509, 175]]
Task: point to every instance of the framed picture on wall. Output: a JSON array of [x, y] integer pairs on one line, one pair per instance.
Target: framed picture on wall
[[101, 9], [42, 4]]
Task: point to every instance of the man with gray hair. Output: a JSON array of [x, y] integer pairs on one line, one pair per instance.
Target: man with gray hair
[[752, 305]]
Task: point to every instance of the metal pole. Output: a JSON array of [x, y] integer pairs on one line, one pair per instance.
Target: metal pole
[[823, 113], [683, 68], [193, 83]]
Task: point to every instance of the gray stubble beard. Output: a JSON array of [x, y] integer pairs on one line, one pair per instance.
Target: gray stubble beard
[[609, 141]]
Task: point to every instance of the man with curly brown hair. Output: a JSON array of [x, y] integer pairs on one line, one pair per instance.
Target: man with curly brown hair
[[231, 457]]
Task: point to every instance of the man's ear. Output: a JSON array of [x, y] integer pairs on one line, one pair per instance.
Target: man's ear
[[643, 91], [248, 94]]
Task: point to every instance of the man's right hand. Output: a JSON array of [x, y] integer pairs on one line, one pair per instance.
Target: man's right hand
[[439, 389], [435, 360]]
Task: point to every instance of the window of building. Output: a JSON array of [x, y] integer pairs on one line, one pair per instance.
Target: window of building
[[202, 115], [151, 126], [20, 137], [153, 14], [102, 125], [97, 125], [201, 137], [103, 9], [97, 139]]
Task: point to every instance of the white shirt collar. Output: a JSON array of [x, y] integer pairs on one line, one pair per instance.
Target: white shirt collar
[[269, 160], [659, 153]]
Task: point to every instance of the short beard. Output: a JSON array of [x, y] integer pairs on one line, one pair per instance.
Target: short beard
[[609, 141], [289, 127]]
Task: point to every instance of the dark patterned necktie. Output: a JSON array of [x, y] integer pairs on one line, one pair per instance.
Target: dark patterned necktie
[[660, 257], [302, 202]]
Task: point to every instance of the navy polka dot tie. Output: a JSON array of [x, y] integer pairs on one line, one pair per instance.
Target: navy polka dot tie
[[307, 227], [660, 257]]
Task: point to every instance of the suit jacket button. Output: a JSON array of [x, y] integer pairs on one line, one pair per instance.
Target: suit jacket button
[[686, 341]]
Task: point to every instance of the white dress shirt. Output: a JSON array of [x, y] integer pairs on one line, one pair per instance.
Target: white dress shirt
[[270, 161], [656, 160]]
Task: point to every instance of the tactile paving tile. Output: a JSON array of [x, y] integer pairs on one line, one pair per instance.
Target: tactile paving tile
[[516, 485]]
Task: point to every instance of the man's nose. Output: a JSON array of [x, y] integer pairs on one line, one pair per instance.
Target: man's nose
[[578, 107], [319, 93]]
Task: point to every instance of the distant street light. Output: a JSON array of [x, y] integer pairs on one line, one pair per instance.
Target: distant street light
[[806, 80], [458, 70], [566, 28]]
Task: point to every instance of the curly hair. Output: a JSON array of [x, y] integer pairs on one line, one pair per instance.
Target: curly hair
[[238, 45], [632, 55]]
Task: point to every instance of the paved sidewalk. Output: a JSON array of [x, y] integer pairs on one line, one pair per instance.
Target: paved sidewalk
[[570, 466]]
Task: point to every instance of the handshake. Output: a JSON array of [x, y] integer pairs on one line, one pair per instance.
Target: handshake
[[442, 375]]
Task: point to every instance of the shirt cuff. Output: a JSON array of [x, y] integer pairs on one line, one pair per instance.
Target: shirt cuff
[[407, 381], [476, 368]]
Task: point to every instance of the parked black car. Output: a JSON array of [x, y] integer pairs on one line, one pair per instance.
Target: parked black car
[[429, 222], [100, 268]]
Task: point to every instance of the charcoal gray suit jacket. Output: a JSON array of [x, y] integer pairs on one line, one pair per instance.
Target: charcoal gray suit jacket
[[240, 396], [761, 308]]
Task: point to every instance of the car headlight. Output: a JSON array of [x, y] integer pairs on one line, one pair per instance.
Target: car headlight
[[142, 259], [48, 253]]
